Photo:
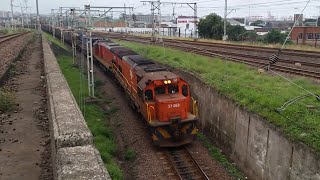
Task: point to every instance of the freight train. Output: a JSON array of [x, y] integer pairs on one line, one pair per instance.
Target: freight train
[[160, 96]]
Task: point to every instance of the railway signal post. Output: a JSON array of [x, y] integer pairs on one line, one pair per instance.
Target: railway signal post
[[90, 65], [89, 23], [74, 45]]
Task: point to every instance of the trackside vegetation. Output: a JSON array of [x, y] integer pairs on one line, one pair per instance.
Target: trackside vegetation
[[7, 100], [94, 115], [261, 93], [221, 158]]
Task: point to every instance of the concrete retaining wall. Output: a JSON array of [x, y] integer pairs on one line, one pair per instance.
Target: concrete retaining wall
[[261, 150], [74, 156]]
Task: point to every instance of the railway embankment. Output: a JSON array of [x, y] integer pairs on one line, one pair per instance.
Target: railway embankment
[[74, 155], [237, 112], [10, 51]]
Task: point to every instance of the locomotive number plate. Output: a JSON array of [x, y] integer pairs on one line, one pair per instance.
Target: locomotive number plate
[[176, 105]]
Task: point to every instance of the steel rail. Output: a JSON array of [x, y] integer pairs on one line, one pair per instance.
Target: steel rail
[[9, 37], [241, 58], [185, 168]]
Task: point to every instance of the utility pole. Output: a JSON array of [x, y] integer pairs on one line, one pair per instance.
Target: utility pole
[[225, 21], [22, 23], [38, 17], [90, 71], [12, 19], [318, 17], [27, 19], [155, 5], [159, 20], [125, 18], [195, 9]]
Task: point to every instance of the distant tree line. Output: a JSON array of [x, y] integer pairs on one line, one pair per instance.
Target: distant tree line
[[211, 27]]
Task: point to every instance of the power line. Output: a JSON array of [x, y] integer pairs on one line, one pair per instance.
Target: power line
[[257, 4]]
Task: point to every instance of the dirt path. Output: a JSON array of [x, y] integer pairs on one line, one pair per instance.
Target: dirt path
[[24, 133]]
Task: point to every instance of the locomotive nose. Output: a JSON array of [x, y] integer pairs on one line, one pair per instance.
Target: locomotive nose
[[171, 107]]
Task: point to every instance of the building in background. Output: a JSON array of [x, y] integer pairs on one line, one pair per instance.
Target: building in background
[[186, 25], [306, 35], [5, 14]]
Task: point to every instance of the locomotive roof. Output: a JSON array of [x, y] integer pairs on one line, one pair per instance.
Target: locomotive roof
[[148, 70], [152, 76], [122, 51], [109, 45], [143, 65]]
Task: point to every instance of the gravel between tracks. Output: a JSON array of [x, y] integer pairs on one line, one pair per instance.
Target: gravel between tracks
[[131, 132], [9, 51], [25, 140]]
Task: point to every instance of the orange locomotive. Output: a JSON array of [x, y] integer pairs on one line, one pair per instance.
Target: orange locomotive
[[160, 96]]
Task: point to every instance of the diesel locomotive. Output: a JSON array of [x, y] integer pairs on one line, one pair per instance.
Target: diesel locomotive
[[160, 96]]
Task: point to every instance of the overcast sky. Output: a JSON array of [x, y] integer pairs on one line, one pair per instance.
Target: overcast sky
[[239, 8]]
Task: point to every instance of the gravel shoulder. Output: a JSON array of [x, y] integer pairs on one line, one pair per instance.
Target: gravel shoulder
[[9, 51], [25, 141]]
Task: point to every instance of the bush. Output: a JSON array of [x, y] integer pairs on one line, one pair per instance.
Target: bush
[[7, 100], [129, 154], [275, 36], [211, 27], [250, 36], [235, 32]]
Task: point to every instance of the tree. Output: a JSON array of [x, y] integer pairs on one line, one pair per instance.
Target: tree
[[211, 27], [249, 36], [258, 23], [275, 36], [235, 32]]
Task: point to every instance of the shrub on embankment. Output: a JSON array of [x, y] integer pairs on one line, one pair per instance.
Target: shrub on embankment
[[259, 93], [7, 100]]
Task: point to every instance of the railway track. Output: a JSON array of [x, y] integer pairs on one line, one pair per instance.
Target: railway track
[[183, 165], [5, 38], [308, 69]]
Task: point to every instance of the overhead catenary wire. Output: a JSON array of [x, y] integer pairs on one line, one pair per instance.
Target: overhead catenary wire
[[283, 45], [294, 25]]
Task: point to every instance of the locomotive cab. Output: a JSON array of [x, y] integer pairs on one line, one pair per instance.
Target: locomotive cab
[[167, 107]]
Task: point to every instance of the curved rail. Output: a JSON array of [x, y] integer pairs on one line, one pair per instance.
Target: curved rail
[[184, 164]]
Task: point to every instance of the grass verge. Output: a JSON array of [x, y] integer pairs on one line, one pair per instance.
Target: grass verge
[[7, 100], [259, 93], [56, 41], [222, 159], [94, 116]]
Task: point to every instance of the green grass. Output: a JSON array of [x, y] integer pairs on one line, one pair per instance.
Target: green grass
[[95, 117], [259, 93], [56, 41], [129, 154], [222, 159], [7, 100], [9, 31]]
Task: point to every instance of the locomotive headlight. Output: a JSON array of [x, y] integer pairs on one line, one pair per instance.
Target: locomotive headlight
[[169, 81], [166, 82]]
